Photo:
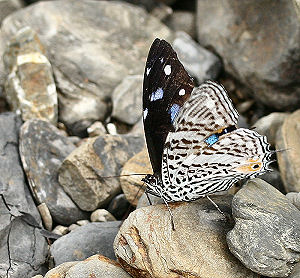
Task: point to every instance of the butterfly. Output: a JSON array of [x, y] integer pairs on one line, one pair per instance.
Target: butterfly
[[194, 144]]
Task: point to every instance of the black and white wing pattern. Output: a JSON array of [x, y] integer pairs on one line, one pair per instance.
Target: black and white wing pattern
[[193, 141], [166, 88], [207, 153]]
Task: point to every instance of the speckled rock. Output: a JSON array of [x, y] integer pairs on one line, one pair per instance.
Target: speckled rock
[[30, 89], [146, 245], [266, 235]]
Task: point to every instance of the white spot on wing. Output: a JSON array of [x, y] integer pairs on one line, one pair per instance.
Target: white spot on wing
[[182, 92], [167, 69], [158, 94], [145, 113], [148, 71]]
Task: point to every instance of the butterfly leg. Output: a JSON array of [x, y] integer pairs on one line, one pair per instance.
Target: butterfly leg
[[149, 200], [216, 206], [171, 214]]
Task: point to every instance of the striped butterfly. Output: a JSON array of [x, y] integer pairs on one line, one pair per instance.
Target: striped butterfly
[[194, 145]]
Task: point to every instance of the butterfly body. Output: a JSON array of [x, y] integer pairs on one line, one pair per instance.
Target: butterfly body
[[193, 141]]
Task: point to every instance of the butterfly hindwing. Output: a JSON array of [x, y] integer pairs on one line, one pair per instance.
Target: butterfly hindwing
[[166, 88]]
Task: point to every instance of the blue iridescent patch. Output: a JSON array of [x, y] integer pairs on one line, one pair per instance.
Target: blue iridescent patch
[[158, 94], [212, 139], [174, 111]]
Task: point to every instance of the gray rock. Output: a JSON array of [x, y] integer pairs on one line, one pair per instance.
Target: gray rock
[[294, 197], [147, 244], [9, 6], [269, 125], [198, 61], [81, 172], [287, 140], [30, 89], [295, 272], [42, 150], [182, 21], [266, 235], [118, 206], [258, 49], [127, 99], [92, 46], [27, 249], [86, 241], [274, 178]]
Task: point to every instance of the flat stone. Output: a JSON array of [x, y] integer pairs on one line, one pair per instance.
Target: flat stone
[[257, 49], [42, 146], [146, 244], [81, 172], [88, 52], [127, 99], [30, 89], [288, 141], [266, 235], [19, 218], [86, 241], [198, 61]]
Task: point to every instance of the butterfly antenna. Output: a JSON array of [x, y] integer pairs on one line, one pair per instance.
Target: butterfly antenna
[[119, 176], [281, 150], [216, 206]]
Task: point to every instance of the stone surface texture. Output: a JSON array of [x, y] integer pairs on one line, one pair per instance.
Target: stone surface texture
[[289, 160], [43, 148], [132, 185], [146, 245], [260, 50], [86, 241], [198, 61], [127, 99], [23, 249], [92, 46], [29, 88], [266, 235]]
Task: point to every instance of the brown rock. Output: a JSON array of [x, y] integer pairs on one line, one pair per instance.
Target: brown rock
[[289, 159], [146, 245], [132, 185]]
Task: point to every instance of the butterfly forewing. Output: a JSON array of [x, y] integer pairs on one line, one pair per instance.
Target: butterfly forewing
[[166, 88]]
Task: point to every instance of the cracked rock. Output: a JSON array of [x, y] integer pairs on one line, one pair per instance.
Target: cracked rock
[[42, 150], [23, 249], [146, 245], [266, 235]]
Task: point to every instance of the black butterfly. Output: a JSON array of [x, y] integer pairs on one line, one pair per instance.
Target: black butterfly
[[194, 144]]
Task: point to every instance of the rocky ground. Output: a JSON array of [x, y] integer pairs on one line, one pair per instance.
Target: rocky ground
[[70, 125]]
